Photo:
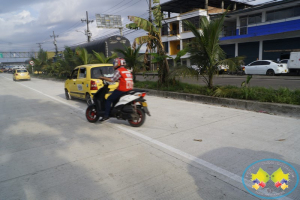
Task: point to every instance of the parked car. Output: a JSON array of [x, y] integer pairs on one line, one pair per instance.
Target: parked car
[[20, 74], [267, 67], [84, 83], [284, 61], [223, 68], [240, 70], [195, 67]]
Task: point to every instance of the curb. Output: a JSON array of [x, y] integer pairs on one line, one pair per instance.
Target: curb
[[262, 107]]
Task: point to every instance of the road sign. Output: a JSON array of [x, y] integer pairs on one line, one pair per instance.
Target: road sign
[[1, 55], [31, 63]]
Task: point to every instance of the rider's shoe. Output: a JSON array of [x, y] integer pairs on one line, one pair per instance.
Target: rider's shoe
[[103, 119]]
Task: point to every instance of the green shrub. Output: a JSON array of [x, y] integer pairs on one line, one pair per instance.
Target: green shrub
[[282, 95]]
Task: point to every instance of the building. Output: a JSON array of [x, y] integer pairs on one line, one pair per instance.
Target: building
[[267, 31]]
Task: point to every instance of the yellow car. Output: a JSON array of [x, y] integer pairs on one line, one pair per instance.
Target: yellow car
[[84, 81], [21, 74]]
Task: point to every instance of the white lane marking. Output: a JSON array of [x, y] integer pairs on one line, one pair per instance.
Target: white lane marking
[[192, 158]]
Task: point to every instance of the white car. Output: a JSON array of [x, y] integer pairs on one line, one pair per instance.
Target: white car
[[267, 67], [223, 68]]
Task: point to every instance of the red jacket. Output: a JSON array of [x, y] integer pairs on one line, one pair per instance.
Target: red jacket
[[125, 81]]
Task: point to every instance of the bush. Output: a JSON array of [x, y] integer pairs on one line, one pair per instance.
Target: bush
[[282, 95]]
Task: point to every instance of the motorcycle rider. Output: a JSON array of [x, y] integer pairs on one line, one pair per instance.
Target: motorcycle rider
[[124, 77]]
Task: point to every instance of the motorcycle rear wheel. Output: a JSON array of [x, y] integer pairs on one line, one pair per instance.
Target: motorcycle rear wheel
[[91, 114], [140, 121]]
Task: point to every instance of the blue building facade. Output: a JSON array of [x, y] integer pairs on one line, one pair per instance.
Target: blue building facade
[[265, 32]]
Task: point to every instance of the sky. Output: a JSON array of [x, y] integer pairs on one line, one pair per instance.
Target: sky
[[24, 23]]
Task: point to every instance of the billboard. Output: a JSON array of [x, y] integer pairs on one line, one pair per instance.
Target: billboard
[[108, 21]]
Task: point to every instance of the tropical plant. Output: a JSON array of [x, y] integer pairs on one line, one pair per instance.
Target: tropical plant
[[84, 57], [71, 58], [100, 57], [153, 39], [205, 50], [41, 61], [132, 58]]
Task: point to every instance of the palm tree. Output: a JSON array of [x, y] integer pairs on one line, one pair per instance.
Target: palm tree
[[100, 57], [205, 50], [41, 61], [132, 58], [84, 57], [153, 39], [71, 58]]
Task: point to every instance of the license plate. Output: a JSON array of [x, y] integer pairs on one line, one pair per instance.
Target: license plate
[[144, 104], [225, 70]]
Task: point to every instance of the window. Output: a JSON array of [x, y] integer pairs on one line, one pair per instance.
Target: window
[[297, 11], [254, 19], [164, 29], [270, 16], [193, 20], [264, 63], [102, 71], [255, 63], [244, 24], [186, 42], [166, 46], [283, 13], [74, 74], [19, 71], [82, 73]]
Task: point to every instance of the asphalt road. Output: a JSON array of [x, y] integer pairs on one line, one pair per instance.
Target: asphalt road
[[291, 82], [185, 150]]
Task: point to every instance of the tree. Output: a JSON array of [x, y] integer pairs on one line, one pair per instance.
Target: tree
[[100, 57], [205, 50], [132, 58], [41, 61], [153, 39], [84, 57]]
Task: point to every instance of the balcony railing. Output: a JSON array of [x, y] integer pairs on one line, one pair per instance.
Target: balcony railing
[[174, 32], [228, 32]]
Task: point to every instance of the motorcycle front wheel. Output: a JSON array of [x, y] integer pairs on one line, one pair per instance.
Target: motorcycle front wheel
[[91, 114], [140, 121]]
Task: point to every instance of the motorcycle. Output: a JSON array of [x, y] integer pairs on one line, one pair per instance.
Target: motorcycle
[[131, 106]]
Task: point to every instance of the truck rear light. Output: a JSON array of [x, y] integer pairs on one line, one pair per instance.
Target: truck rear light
[[93, 85], [16, 74]]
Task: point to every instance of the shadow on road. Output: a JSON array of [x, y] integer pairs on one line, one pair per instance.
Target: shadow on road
[[47, 153], [234, 160]]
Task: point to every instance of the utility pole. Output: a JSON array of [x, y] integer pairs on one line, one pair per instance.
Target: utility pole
[[54, 42], [150, 20], [88, 33], [40, 45]]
